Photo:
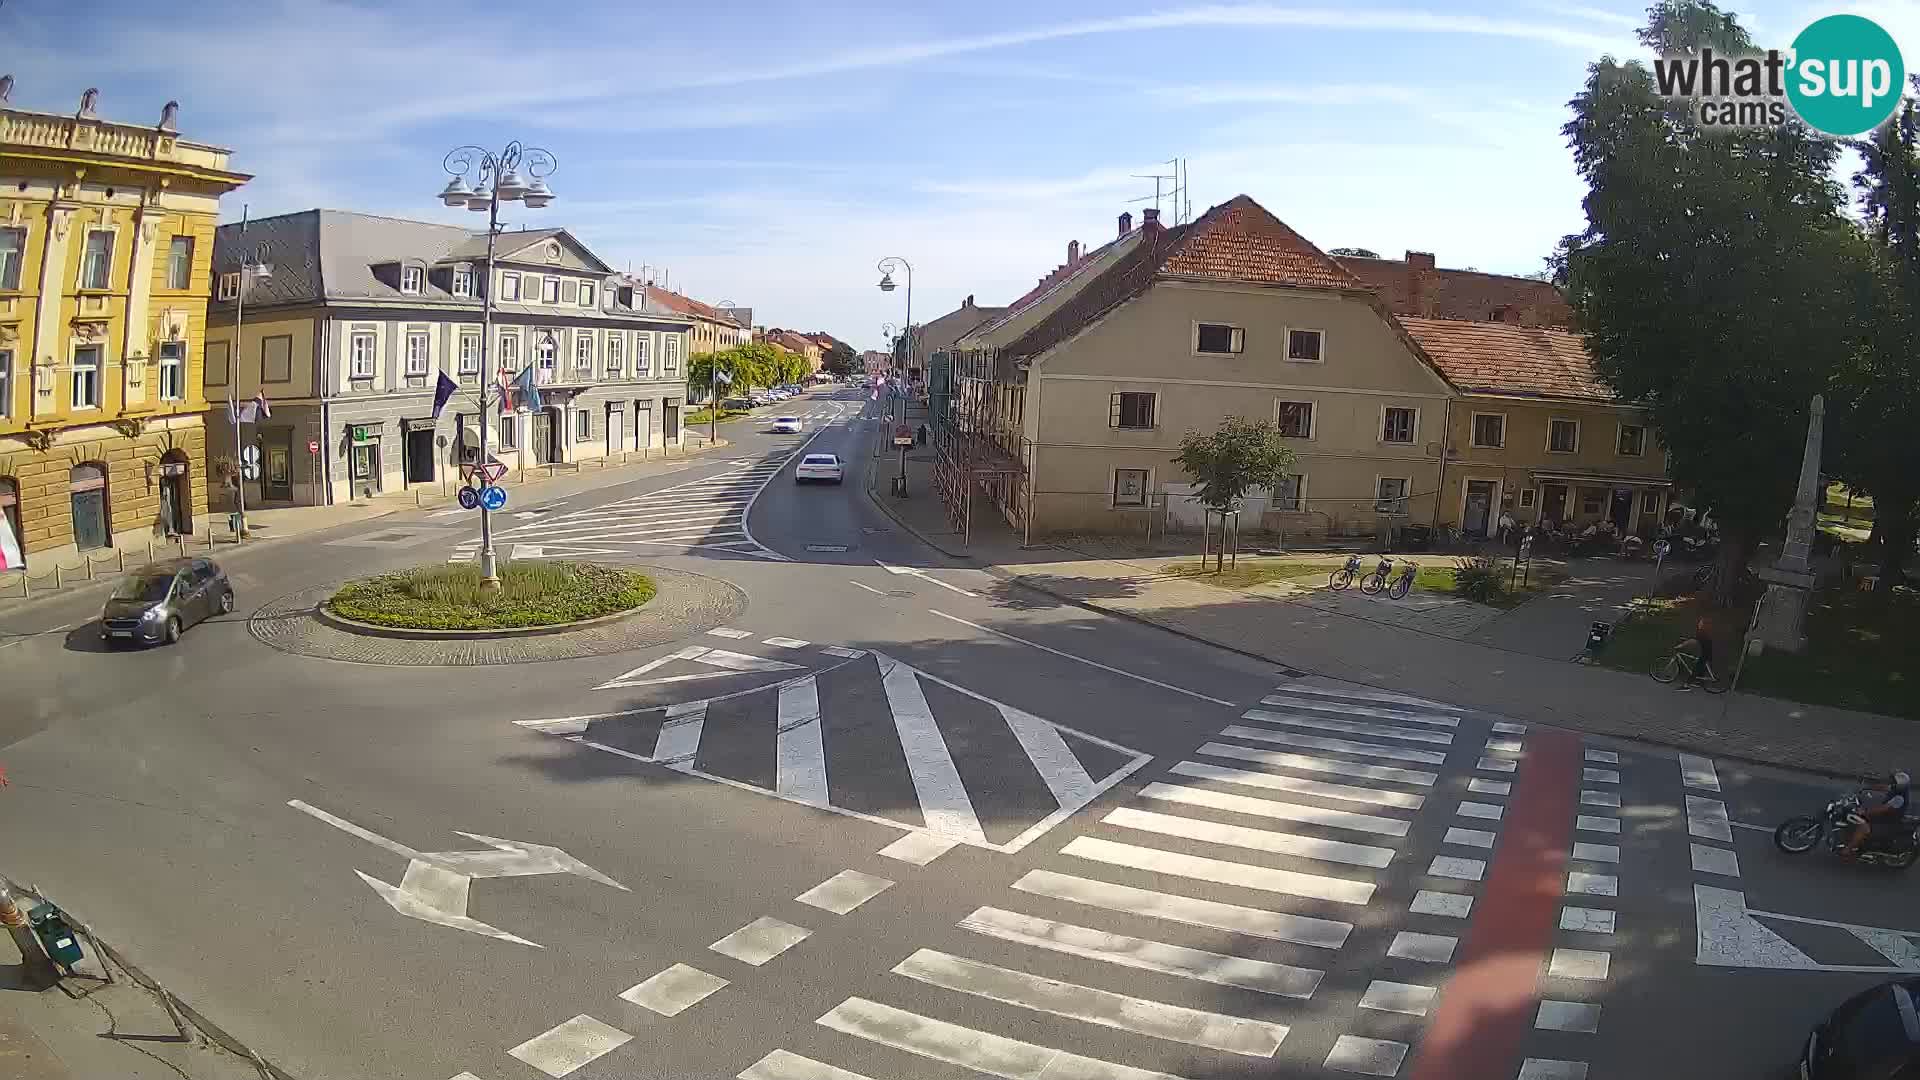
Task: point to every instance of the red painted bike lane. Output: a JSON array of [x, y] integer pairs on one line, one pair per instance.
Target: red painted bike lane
[[1488, 1006]]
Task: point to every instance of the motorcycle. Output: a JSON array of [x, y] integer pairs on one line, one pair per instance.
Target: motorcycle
[[1896, 848], [1346, 575]]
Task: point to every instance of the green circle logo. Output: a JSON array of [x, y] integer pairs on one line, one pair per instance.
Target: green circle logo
[[1847, 75]]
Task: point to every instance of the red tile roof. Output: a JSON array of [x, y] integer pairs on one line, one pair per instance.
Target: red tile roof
[[687, 305], [1471, 295], [1498, 358]]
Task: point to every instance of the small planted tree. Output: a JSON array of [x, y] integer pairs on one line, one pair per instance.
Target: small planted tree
[[1232, 460]]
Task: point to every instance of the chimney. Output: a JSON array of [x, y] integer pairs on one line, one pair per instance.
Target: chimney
[[1073, 254], [969, 301], [1150, 221], [1126, 223], [1423, 284]]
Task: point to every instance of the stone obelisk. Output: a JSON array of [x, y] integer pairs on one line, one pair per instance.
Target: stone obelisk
[[1782, 622]]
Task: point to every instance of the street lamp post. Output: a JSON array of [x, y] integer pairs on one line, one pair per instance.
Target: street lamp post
[[253, 264], [713, 389], [495, 178], [886, 267]]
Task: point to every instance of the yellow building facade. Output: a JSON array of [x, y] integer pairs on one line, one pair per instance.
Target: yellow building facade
[[106, 248]]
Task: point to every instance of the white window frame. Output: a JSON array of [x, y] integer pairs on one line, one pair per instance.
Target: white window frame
[[616, 353], [546, 353], [230, 285], [1404, 499], [92, 373], [1236, 339], [510, 286], [182, 282], [643, 355], [1286, 345], [549, 284], [1620, 429], [1116, 414], [1473, 431], [6, 383], [509, 349], [461, 282], [172, 370], [1413, 437], [1299, 495], [469, 352], [1529, 498], [356, 371], [1552, 420], [587, 294], [418, 366], [670, 355], [1313, 416], [1113, 489], [583, 349], [413, 280], [583, 424], [87, 262], [11, 270]]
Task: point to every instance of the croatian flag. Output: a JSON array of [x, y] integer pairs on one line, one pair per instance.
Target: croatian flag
[[260, 405], [10, 556]]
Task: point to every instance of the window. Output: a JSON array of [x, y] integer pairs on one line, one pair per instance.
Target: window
[[276, 358], [509, 286], [1218, 338], [86, 377], [550, 290], [361, 350], [569, 291], [469, 354], [1649, 502], [1633, 440], [180, 263], [229, 285], [417, 345], [1390, 497], [583, 350], [670, 356], [545, 352], [1304, 345], [1129, 487], [643, 356], [1526, 498], [616, 352], [6, 382], [1294, 419], [173, 355], [1290, 493], [1130, 411], [217, 356], [583, 424], [510, 352], [1398, 425], [462, 281], [509, 430], [1489, 430], [586, 294], [1563, 436], [1592, 500], [96, 260], [13, 252], [410, 278]]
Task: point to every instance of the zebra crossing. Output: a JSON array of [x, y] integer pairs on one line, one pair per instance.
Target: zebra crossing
[[1237, 909], [708, 514], [867, 737]]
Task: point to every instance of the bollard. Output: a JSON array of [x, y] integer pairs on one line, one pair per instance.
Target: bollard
[[39, 968]]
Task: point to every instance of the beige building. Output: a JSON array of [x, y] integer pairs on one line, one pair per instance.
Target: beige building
[[712, 329]]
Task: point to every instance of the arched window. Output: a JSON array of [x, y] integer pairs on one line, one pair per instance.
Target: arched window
[[92, 525], [176, 494], [12, 556]]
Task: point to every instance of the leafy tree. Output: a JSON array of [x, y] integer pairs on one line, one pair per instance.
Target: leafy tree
[[752, 364], [1717, 279], [1226, 463], [841, 361], [1354, 253]]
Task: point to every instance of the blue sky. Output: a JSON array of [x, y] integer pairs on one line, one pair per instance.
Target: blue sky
[[770, 154]]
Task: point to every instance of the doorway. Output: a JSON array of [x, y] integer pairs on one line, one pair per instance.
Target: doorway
[[1553, 503], [10, 523], [670, 421], [642, 425], [364, 467], [1477, 513], [614, 437], [277, 482], [1621, 510], [88, 487], [542, 437], [418, 452], [176, 495]]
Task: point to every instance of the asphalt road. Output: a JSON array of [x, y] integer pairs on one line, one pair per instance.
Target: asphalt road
[[897, 819]]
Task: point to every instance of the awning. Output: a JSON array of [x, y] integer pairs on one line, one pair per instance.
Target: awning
[[1601, 480]]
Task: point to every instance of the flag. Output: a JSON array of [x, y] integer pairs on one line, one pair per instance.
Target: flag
[[530, 394], [260, 405], [10, 557], [233, 410], [442, 392], [722, 377]]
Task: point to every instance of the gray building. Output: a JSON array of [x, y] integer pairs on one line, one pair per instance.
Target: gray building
[[347, 337]]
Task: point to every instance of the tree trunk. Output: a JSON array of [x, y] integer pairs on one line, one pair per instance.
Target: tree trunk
[[1898, 525], [1729, 565]]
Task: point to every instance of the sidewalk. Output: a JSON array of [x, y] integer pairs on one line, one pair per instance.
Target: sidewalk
[[1537, 684]]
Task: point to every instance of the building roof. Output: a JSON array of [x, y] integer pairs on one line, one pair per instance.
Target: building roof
[[1237, 240], [941, 333], [1499, 358], [1414, 286], [687, 305]]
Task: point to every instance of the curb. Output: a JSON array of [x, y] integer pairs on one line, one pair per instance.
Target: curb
[[366, 629], [874, 497]]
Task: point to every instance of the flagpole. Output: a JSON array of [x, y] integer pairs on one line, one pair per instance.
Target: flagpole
[[233, 413]]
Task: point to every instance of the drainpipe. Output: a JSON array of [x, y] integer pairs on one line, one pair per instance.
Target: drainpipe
[[1440, 486], [325, 496]]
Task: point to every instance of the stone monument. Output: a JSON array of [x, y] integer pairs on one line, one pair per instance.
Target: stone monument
[[1781, 622]]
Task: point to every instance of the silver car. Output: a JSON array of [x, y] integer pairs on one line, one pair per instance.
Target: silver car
[[156, 602]]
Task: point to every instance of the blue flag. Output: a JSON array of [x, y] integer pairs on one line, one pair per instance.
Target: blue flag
[[442, 393], [529, 393]]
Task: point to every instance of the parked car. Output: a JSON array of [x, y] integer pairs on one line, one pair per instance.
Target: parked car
[[819, 468], [1873, 1035], [786, 425], [156, 602], [737, 403]]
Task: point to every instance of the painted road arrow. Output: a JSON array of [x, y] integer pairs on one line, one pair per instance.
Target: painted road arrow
[[434, 889]]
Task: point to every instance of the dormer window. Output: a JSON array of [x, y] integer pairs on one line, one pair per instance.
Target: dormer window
[[462, 281], [411, 279]]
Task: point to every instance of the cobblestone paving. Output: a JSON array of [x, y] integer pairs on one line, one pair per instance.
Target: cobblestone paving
[[1431, 614], [685, 604]]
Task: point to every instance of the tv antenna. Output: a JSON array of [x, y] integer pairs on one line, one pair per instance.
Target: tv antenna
[[1169, 186]]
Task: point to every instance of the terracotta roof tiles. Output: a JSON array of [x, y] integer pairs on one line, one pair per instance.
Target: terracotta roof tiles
[[1499, 358]]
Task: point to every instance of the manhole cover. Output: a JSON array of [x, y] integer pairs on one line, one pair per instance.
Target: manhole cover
[[870, 530], [826, 547]]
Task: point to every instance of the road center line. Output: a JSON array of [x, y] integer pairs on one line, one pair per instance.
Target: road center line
[[1082, 659], [869, 588]]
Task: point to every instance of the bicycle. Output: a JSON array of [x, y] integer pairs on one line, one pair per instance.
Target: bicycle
[[1403, 584], [1696, 672], [1374, 582], [1346, 575]]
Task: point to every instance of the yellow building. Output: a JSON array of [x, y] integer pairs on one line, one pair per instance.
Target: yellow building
[[106, 240]]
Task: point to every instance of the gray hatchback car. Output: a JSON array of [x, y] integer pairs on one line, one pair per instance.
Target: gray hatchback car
[[156, 602]]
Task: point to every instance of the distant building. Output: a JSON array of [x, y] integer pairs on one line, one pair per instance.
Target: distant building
[[714, 329]]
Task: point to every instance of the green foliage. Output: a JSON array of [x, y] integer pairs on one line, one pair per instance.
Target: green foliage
[[1479, 578], [451, 597], [841, 361], [753, 364], [1242, 454]]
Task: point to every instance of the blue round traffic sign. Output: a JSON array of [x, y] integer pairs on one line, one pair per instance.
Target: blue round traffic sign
[[468, 498], [493, 498]]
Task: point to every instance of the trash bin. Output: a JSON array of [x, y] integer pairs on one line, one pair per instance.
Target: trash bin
[[1416, 537]]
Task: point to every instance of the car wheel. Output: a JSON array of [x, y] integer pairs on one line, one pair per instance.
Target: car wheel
[[226, 602], [173, 629]]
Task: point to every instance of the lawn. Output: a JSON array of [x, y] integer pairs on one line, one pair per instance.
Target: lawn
[[1435, 574], [705, 416], [449, 596]]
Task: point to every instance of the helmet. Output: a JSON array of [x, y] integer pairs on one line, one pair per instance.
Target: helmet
[[1900, 781]]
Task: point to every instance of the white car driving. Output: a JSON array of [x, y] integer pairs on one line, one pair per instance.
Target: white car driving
[[786, 425], [819, 468]]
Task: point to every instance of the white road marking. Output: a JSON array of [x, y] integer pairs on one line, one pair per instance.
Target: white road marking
[[995, 1055], [1330, 766], [1590, 823], [800, 753], [674, 990], [1478, 838], [943, 797], [1604, 757], [783, 1065], [1282, 782], [1714, 860], [729, 632], [1338, 746], [1347, 727], [1274, 808], [1506, 728], [1082, 659], [1591, 797], [1141, 1016], [869, 588], [1752, 826], [1504, 746], [786, 643], [728, 663], [761, 940], [1445, 904], [1484, 811], [1697, 772], [845, 654], [1487, 764], [1552, 1069], [1582, 884], [1452, 866], [1596, 852], [1278, 843], [1396, 997], [844, 891], [1154, 860], [1059, 769], [915, 572], [678, 743], [1490, 787], [1368, 1057], [1567, 1016], [1291, 702], [1600, 776], [1586, 920], [568, 1046], [919, 848], [1365, 695], [1707, 819], [1259, 975], [1190, 911], [1590, 964], [1426, 948]]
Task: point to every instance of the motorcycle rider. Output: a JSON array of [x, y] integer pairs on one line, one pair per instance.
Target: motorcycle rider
[[1885, 812]]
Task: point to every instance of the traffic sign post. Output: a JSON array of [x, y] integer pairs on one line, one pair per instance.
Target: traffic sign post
[[468, 498], [313, 446], [493, 498]]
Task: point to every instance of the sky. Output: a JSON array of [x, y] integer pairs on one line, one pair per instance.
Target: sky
[[771, 154]]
